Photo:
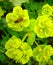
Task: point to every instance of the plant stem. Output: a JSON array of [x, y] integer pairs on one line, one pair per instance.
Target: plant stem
[[5, 32], [36, 43], [24, 37]]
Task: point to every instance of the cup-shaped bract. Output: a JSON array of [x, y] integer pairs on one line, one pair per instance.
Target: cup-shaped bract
[[18, 50], [18, 19], [47, 10], [43, 53], [15, 54], [27, 53], [43, 26], [13, 42]]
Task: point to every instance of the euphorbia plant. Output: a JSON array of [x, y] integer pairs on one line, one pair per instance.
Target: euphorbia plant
[[21, 49]]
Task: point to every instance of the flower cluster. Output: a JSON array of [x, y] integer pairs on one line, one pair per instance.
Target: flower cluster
[[44, 23], [18, 19], [42, 53], [18, 50]]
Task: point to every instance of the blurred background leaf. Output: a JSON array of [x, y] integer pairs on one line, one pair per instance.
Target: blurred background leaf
[[2, 23], [18, 2]]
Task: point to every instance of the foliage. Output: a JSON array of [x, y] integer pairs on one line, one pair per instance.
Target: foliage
[[18, 2], [26, 32]]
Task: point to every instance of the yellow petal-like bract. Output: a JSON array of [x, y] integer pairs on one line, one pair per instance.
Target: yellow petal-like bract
[[18, 50], [44, 23], [18, 19]]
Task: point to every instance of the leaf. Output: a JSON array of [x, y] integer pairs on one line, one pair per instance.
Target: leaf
[[34, 8], [2, 23], [3, 41], [18, 34], [18, 2], [31, 38], [50, 2], [32, 14], [2, 57], [7, 5], [1, 0], [2, 49], [32, 23]]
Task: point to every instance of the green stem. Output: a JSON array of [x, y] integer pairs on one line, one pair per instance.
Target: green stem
[[24, 37], [5, 32], [36, 43]]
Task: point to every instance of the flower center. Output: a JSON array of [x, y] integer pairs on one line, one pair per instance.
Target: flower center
[[19, 20]]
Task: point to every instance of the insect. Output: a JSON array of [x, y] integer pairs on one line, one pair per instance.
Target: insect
[[19, 20]]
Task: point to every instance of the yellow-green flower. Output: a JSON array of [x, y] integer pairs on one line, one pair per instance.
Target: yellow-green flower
[[47, 10], [18, 19], [13, 42], [44, 54], [25, 51], [18, 50], [15, 54], [43, 26]]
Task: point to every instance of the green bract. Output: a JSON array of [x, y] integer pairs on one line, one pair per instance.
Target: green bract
[[18, 19], [14, 53], [44, 27], [44, 23], [13, 42], [18, 50], [47, 10], [42, 53], [25, 51]]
